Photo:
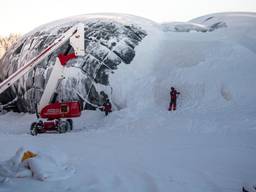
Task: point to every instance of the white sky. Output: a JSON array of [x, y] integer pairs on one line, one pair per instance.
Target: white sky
[[25, 15]]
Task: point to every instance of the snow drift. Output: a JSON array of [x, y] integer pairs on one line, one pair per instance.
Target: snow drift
[[211, 69], [41, 167]]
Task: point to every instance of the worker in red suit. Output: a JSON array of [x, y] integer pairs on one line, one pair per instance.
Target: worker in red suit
[[173, 95], [107, 107]]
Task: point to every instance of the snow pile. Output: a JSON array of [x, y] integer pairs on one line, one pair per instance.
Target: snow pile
[[41, 167], [13, 167], [211, 70]]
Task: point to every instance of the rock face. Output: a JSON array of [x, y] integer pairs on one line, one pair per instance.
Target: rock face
[[108, 44]]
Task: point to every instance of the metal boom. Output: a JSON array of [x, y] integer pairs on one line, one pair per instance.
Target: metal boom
[[77, 45]]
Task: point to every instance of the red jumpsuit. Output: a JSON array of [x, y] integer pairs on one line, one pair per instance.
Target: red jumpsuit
[[107, 107], [173, 95]]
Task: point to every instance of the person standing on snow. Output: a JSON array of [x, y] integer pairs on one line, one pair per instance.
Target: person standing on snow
[[107, 107], [173, 95]]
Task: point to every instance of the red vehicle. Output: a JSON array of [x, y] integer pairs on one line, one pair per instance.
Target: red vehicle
[[53, 113], [61, 110]]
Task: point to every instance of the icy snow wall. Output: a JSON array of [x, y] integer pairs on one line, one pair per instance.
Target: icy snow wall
[[211, 60], [213, 69]]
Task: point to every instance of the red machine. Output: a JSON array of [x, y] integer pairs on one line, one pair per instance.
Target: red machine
[[53, 112], [61, 110]]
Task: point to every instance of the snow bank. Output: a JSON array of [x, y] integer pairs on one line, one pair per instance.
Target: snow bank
[[13, 166], [211, 70], [42, 167]]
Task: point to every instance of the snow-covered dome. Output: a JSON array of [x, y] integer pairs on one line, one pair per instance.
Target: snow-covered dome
[[110, 41], [134, 61]]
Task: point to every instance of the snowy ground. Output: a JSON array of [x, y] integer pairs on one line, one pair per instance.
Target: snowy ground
[[176, 151], [208, 144]]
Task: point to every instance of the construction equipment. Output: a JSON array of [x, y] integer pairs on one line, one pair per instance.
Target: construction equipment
[[53, 112]]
